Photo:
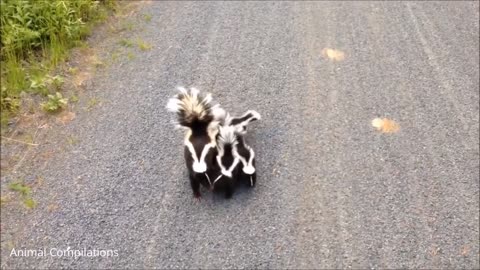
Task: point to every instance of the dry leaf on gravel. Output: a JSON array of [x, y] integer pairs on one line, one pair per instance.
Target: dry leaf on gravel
[[385, 125], [332, 54]]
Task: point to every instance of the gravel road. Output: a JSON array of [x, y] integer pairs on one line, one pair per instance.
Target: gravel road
[[333, 192]]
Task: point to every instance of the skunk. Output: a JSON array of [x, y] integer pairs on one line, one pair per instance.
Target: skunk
[[235, 159], [201, 119], [247, 173], [227, 161]]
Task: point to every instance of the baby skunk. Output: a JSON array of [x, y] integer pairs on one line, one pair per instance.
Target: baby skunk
[[227, 161], [247, 172], [235, 159], [196, 114]]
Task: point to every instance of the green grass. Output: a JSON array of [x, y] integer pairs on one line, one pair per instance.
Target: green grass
[[20, 188], [92, 102], [130, 56], [127, 43], [36, 36], [74, 98], [72, 140], [128, 25], [144, 46], [114, 56], [25, 192], [147, 17], [29, 203]]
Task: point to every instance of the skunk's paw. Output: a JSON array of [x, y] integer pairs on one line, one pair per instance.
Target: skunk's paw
[[197, 196]]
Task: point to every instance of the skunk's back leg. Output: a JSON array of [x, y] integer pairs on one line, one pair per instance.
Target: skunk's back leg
[[229, 188], [195, 184], [252, 179]]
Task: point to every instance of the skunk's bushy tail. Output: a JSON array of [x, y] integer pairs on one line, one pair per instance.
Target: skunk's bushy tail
[[194, 108], [227, 136]]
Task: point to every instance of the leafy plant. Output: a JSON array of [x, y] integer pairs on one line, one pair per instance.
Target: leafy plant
[[41, 83], [38, 83], [55, 103], [10, 103], [57, 81]]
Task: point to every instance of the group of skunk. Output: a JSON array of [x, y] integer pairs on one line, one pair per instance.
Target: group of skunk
[[216, 153]]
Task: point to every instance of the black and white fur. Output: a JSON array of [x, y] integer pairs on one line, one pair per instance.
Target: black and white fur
[[235, 159], [247, 172], [200, 118], [227, 161], [242, 122]]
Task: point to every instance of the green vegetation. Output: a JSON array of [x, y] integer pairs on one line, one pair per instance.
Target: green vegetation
[[55, 103], [72, 140], [92, 102], [25, 192], [130, 55], [36, 35], [127, 43], [147, 17], [20, 188], [127, 25], [144, 46], [29, 203], [74, 98]]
